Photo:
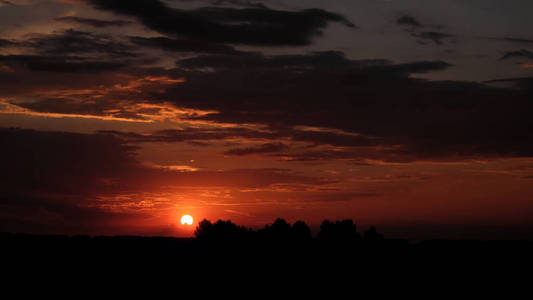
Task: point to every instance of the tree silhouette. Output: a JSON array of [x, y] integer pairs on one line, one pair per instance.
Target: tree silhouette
[[204, 229], [325, 230], [279, 230], [221, 230], [341, 231], [300, 231], [371, 235]]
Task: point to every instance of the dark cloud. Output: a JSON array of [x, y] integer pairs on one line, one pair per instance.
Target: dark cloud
[[356, 147], [244, 3], [262, 149], [376, 99], [514, 40], [198, 135], [246, 178], [75, 42], [384, 112], [6, 43], [415, 28], [19, 80], [332, 138], [93, 22], [190, 134], [328, 60], [199, 144], [329, 197], [36, 162], [63, 215], [374, 108], [62, 64], [436, 37], [520, 53], [76, 67], [251, 26], [73, 51], [524, 84], [408, 20], [184, 45], [70, 106], [351, 155]]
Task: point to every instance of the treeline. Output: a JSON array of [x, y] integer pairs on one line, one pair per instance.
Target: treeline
[[281, 230]]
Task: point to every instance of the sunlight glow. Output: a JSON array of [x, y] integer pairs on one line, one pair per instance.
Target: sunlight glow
[[186, 220]]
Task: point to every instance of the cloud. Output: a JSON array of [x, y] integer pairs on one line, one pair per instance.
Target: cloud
[[93, 22], [249, 26], [42, 215], [514, 40], [415, 28], [23, 77], [71, 41], [61, 64], [36, 162], [6, 43], [520, 53], [436, 37], [184, 45], [76, 67], [262, 149], [191, 134], [326, 60], [4, 2], [408, 20], [329, 197], [376, 99], [246, 178], [244, 3], [374, 109], [71, 51], [524, 84], [517, 40]]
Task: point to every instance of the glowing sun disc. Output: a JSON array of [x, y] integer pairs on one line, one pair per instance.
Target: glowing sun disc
[[186, 220]]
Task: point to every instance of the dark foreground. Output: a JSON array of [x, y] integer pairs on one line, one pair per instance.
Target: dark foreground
[[192, 251], [270, 266]]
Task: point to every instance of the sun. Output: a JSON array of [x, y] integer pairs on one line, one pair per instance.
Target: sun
[[186, 220]]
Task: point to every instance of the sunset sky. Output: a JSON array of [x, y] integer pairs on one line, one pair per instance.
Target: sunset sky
[[120, 116]]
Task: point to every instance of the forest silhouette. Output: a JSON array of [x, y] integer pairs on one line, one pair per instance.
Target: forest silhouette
[[227, 249], [280, 230], [223, 239]]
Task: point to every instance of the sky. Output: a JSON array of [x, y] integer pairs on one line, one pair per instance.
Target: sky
[[120, 116]]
